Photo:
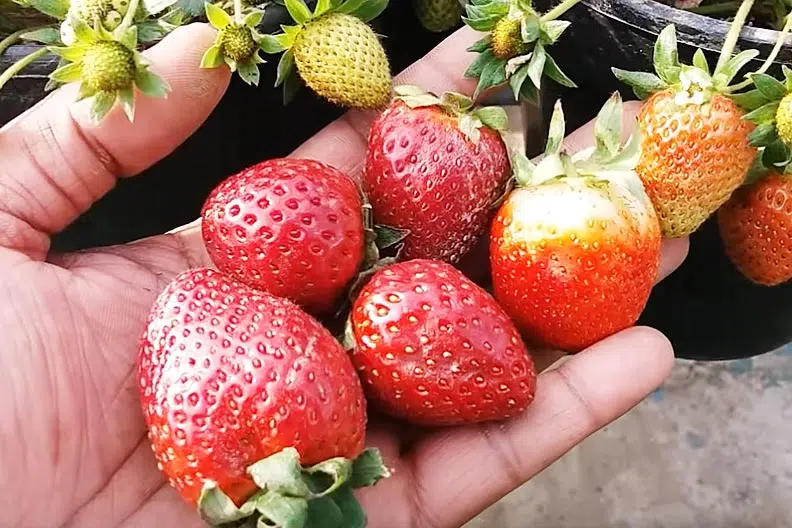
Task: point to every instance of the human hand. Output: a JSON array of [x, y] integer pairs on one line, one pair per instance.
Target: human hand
[[75, 451]]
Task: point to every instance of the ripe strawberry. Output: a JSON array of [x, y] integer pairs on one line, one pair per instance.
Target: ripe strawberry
[[238, 388], [434, 168], [576, 249], [433, 348], [290, 227], [756, 229], [336, 53], [696, 148], [438, 15]]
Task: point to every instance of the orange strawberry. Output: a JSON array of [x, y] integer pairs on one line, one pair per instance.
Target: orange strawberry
[[696, 147], [756, 229]]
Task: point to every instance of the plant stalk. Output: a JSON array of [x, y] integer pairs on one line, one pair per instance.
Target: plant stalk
[[770, 58], [11, 39], [129, 17], [734, 34], [20, 65], [559, 10], [238, 12]]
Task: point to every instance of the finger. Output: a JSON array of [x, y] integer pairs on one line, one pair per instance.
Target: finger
[[55, 163], [460, 472]]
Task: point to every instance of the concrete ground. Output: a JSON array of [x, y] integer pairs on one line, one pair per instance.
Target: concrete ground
[[711, 448]]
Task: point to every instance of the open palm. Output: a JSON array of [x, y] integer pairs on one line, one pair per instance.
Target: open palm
[[74, 448]]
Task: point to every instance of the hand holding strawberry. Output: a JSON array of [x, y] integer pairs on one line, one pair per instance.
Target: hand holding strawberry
[[71, 326]]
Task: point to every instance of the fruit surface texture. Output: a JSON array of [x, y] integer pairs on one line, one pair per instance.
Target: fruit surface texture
[[438, 15], [573, 260], [425, 176], [694, 156], [433, 348], [340, 58], [290, 227], [229, 375], [756, 229]]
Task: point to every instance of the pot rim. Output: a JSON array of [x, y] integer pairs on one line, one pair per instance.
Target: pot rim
[[652, 16]]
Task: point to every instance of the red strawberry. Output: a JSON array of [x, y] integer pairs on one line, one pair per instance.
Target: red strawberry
[[290, 227], [233, 381], [434, 348], [756, 229], [434, 167], [574, 255]]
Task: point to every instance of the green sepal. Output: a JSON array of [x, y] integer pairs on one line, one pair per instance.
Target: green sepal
[[769, 86], [352, 512], [537, 64], [271, 44], [556, 130], [248, 71], [493, 117], [552, 30], [764, 114], [216, 16], [367, 10], [666, 55], [777, 155], [787, 77], [517, 80], [126, 97], [127, 36], [763, 135], [481, 45], [285, 67], [254, 18], [322, 6], [71, 72], [725, 75], [700, 61], [298, 10], [476, 67], [493, 75], [644, 84], [482, 15], [47, 35], [291, 86], [212, 57], [750, 100], [530, 29], [151, 84], [101, 104], [607, 129], [756, 171], [553, 71]]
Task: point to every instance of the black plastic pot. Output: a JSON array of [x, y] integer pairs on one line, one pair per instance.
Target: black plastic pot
[[707, 309], [171, 193]]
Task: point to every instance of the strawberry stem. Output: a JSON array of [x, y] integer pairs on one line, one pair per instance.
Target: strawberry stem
[[238, 11], [558, 10], [129, 17], [20, 65], [11, 40], [770, 58], [734, 34]]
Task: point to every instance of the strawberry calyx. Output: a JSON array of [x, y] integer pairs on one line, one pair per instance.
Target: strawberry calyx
[[691, 84], [515, 49], [108, 67], [237, 44], [608, 162], [284, 42], [294, 496]]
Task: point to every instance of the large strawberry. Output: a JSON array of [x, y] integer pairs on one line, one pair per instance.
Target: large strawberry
[[433, 348], [334, 51], [756, 229], [696, 148], [575, 248], [434, 168], [248, 400], [292, 227]]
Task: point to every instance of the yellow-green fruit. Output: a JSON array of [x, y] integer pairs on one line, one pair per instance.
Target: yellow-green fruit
[[784, 119], [91, 10], [236, 42], [438, 15], [340, 58], [108, 66], [112, 20], [507, 39]]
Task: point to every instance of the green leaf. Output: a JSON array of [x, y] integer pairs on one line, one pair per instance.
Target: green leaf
[[280, 473], [493, 117], [216, 508], [152, 30], [217, 17], [642, 83], [750, 100], [282, 511], [329, 475], [54, 8], [154, 7], [666, 56], [769, 86], [44, 36], [552, 71], [494, 74], [254, 18], [102, 103], [70, 73], [517, 80], [480, 63], [368, 469], [387, 237], [193, 8], [529, 29], [126, 97], [763, 114], [324, 513], [370, 10], [151, 84], [249, 72], [481, 45], [552, 30], [298, 11], [212, 57], [285, 67], [536, 65], [763, 135], [733, 66], [484, 24], [556, 130], [607, 127], [700, 60], [776, 155], [354, 515]]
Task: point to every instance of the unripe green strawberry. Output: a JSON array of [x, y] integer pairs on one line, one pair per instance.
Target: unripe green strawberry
[[438, 15], [107, 66], [340, 58], [783, 118], [112, 20], [236, 42], [90, 10], [507, 39]]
